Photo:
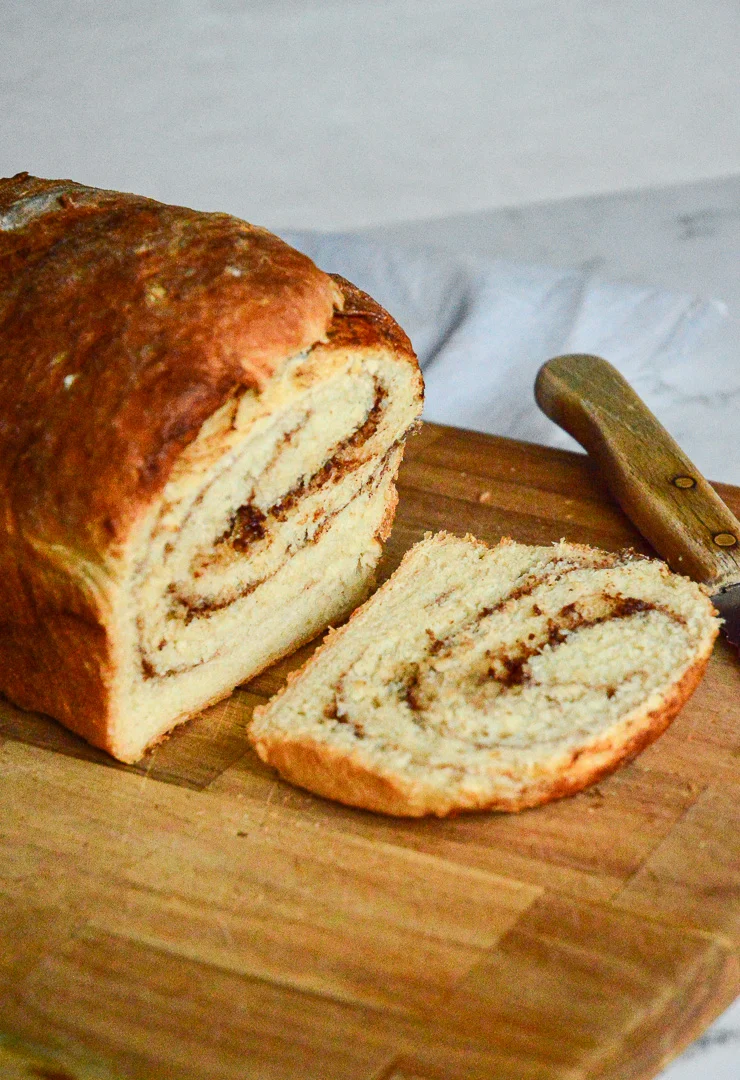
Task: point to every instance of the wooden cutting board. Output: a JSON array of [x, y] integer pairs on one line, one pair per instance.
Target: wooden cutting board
[[196, 917]]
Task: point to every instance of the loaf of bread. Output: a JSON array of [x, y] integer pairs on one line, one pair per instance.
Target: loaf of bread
[[199, 437], [490, 678]]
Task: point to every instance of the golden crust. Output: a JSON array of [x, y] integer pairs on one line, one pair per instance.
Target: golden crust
[[340, 776], [362, 323], [124, 325]]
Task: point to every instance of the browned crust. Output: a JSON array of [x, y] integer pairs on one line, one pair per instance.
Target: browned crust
[[362, 323], [122, 329], [347, 777], [135, 304], [327, 771], [386, 524]]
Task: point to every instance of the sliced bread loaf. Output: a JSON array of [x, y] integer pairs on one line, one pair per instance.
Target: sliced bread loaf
[[490, 678]]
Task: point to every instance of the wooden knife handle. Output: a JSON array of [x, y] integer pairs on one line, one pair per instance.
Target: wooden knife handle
[[654, 482]]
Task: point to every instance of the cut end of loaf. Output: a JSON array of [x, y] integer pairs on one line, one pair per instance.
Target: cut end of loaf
[[500, 678], [269, 530]]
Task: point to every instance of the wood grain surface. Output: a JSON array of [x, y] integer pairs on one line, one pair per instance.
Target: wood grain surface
[[195, 918]]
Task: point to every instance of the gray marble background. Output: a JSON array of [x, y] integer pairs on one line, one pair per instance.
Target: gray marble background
[[597, 133]]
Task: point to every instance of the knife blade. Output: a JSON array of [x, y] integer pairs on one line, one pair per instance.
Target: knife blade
[[657, 486]]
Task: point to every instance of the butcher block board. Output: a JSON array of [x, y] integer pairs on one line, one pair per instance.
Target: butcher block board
[[197, 917]]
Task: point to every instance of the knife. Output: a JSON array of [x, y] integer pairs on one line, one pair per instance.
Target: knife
[[659, 489]]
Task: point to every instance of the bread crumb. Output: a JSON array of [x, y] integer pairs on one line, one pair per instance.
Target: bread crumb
[[155, 294]]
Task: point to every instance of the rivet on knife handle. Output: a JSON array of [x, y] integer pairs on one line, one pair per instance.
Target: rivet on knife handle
[[656, 485]]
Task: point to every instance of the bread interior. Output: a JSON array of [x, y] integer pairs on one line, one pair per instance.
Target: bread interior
[[477, 673], [269, 530]]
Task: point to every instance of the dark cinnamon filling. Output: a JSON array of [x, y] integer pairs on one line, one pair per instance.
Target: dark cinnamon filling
[[199, 608], [250, 525], [509, 668], [247, 525], [525, 588]]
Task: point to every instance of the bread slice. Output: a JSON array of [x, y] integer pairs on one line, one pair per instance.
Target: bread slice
[[490, 678], [199, 437]]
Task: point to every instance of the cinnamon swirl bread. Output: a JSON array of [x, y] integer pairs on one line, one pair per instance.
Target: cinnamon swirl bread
[[199, 437], [481, 678]]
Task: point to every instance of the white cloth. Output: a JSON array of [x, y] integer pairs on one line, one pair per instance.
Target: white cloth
[[482, 328]]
